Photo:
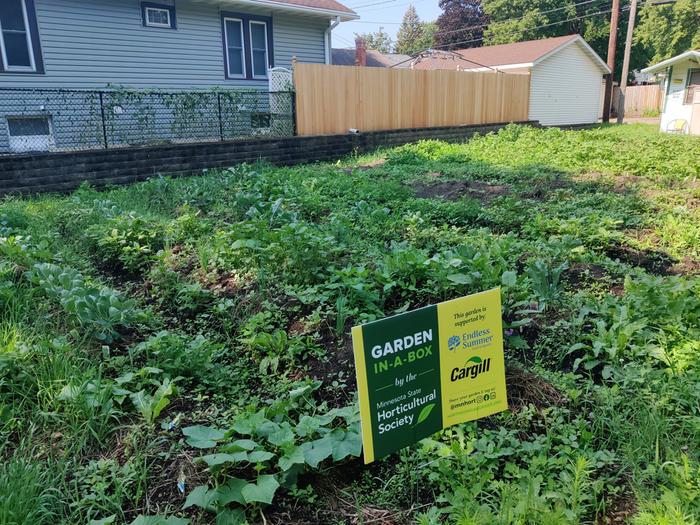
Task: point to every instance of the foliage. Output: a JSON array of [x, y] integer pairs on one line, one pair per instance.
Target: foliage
[[278, 443], [414, 35], [378, 40], [100, 310], [665, 31], [461, 24], [196, 365], [127, 241]]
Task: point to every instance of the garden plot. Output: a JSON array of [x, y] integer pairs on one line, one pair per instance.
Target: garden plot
[[178, 351]]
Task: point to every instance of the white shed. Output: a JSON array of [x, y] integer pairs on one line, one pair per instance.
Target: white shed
[[681, 109], [566, 75]]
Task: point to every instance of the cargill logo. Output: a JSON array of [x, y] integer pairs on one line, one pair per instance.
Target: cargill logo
[[471, 369]]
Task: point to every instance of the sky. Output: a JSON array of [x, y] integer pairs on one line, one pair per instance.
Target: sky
[[384, 13]]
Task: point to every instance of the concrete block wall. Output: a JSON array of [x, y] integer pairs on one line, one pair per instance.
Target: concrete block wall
[[63, 172]]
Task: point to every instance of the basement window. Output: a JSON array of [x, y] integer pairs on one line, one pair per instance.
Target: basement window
[[30, 134], [158, 15]]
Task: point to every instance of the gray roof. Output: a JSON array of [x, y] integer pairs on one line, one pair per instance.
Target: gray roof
[[346, 57]]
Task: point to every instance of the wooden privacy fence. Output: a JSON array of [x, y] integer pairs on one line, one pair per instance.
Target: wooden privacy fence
[[640, 100], [334, 99]]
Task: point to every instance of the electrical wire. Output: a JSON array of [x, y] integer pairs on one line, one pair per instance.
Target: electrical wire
[[500, 21], [437, 48]]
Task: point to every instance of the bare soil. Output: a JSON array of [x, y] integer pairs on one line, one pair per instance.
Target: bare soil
[[455, 190]]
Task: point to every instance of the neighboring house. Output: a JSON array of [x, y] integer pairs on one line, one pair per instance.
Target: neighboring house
[[360, 56], [164, 44], [566, 75], [681, 108]]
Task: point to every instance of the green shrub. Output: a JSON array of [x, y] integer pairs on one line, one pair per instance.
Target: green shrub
[[128, 242], [178, 355]]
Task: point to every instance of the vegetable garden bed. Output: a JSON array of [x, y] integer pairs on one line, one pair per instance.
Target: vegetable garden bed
[[178, 351]]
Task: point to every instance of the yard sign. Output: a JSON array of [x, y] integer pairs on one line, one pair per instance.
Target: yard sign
[[428, 369]]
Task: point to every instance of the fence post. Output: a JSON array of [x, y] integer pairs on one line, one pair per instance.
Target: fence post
[[221, 122], [293, 94], [104, 120]]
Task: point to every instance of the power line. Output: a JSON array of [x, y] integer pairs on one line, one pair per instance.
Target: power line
[[343, 39], [519, 18], [532, 28], [369, 5], [499, 21], [381, 2], [524, 30]]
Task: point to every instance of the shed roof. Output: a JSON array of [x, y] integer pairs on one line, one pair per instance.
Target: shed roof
[[693, 54], [517, 54]]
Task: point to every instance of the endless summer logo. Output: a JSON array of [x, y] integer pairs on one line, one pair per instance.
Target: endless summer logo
[[471, 369]]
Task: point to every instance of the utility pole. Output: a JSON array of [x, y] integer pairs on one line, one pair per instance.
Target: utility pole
[[612, 45], [626, 61]]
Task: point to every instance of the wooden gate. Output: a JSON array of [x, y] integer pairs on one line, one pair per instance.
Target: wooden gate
[[335, 99]]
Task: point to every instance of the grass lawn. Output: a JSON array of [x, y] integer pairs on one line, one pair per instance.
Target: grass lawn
[[178, 351]]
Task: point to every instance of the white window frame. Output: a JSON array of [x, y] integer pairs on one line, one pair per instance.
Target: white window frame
[[267, 50], [28, 143], [169, 25], [228, 58], [30, 46]]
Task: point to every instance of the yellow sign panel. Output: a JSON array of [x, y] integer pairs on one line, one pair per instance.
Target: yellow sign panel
[[425, 370]]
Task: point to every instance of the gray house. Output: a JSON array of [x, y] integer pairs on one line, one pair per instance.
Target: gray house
[[201, 64]]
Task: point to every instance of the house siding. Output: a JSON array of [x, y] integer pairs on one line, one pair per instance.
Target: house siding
[[565, 88], [90, 44], [674, 107]]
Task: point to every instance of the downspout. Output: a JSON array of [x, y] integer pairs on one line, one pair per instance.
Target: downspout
[[328, 38]]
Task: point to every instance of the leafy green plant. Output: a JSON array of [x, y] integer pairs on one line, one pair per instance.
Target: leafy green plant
[[151, 405], [276, 444], [178, 355], [100, 310], [546, 279], [128, 241]]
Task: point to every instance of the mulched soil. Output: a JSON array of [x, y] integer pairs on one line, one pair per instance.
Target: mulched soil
[[525, 388], [455, 190], [581, 275], [653, 261]]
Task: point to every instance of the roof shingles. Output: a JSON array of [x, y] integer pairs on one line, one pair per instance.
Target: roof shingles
[[491, 56]]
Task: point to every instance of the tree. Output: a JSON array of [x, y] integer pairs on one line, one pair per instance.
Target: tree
[[667, 30], [409, 32], [427, 39], [413, 35], [518, 20], [460, 25], [378, 40], [662, 31]]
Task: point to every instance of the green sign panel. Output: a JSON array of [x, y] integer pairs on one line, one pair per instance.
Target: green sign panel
[[425, 370]]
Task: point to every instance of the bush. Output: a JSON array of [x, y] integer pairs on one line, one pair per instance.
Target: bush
[[129, 243]]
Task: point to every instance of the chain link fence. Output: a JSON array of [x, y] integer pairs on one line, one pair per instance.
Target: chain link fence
[[73, 120]]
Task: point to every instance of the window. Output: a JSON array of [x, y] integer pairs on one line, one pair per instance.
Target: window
[[235, 55], [29, 134], [158, 15], [692, 85], [258, 48], [19, 44], [247, 45]]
